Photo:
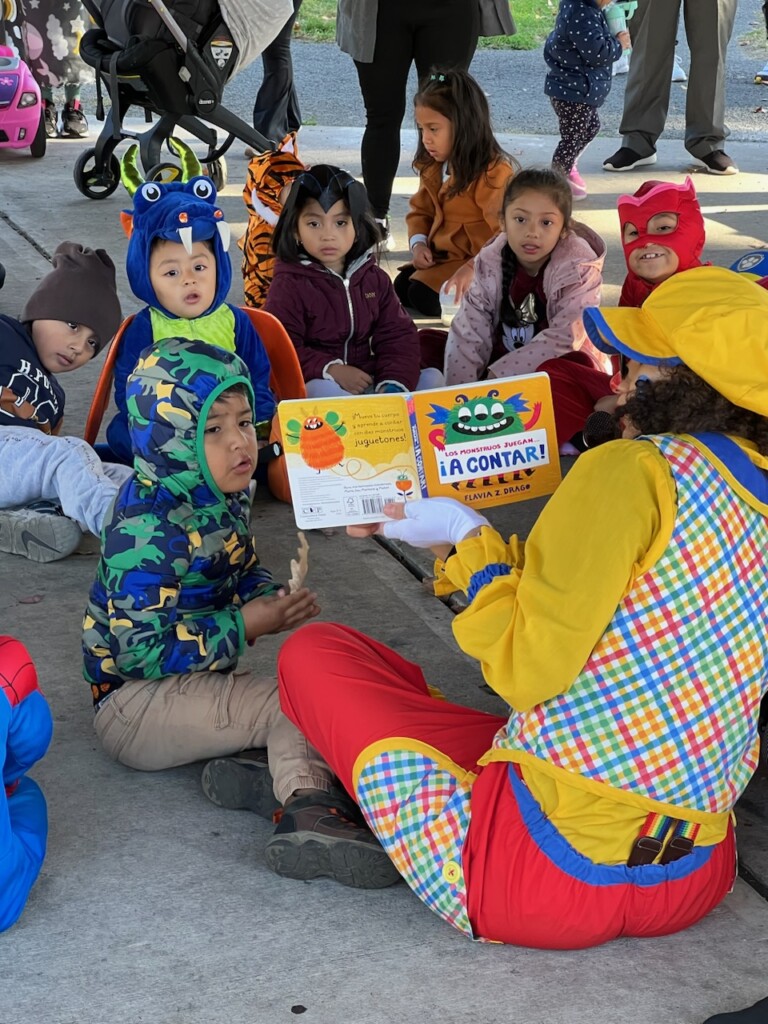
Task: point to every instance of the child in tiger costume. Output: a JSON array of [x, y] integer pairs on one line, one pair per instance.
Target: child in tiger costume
[[268, 174]]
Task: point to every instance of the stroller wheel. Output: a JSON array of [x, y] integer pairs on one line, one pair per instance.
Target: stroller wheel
[[216, 170], [165, 172], [92, 182]]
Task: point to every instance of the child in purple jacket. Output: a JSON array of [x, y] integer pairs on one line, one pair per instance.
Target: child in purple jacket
[[351, 334]]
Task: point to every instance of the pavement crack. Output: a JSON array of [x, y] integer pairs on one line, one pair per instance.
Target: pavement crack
[[25, 235]]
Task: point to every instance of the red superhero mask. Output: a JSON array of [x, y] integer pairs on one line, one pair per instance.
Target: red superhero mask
[[655, 197]]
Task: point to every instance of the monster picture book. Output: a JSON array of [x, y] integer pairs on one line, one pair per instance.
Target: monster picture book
[[485, 444]]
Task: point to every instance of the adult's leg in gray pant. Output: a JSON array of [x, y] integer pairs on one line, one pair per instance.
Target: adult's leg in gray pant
[[708, 27], [653, 29]]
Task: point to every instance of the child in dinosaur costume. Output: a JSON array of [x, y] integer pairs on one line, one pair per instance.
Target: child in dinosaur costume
[[269, 174], [178, 264]]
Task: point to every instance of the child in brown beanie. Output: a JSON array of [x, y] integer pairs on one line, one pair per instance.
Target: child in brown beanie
[[52, 487]]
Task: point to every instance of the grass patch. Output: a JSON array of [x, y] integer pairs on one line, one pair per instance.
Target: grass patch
[[534, 19]]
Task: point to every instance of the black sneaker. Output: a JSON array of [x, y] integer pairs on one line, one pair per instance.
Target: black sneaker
[[40, 532], [718, 163], [51, 120], [319, 837], [242, 782], [73, 122], [757, 1014], [626, 159], [2, 275]]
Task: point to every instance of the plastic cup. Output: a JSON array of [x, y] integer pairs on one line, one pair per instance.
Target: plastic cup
[[616, 18], [449, 307]]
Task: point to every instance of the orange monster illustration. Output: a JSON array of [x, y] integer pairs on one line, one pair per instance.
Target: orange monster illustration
[[319, 440]]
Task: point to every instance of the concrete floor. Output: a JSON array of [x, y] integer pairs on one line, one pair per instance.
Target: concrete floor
[[154, 905]]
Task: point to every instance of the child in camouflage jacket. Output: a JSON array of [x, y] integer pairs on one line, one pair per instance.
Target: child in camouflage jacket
[[178, 593]]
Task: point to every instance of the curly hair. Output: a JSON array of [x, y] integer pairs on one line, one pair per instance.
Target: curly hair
[[456, 95], [681, 402]]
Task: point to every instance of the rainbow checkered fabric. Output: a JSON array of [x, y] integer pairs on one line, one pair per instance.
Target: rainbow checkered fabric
[[666, 705], [420, 812]]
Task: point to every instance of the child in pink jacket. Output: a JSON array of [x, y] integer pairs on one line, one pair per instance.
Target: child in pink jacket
[[523, 310]]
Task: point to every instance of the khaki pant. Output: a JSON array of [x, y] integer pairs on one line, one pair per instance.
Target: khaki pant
[[654, 28], [150, 724]]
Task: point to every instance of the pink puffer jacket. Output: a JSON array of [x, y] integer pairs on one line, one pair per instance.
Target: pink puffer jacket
[[572, 281]]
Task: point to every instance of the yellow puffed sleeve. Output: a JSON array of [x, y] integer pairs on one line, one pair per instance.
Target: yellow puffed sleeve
[[533, 622]]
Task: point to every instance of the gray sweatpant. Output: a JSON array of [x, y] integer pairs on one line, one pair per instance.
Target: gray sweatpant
[[34, 465], [654, 26]]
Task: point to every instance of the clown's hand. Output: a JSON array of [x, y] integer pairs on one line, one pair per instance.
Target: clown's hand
[[430, 522]]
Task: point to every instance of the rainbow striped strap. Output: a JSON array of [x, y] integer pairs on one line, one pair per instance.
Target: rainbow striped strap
[[681, 842], [650, 840]]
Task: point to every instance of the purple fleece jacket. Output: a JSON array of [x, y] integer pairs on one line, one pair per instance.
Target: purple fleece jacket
[[355, 318]]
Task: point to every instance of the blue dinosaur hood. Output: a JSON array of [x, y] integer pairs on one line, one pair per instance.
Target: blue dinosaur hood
[[176, 211], [168, 396]]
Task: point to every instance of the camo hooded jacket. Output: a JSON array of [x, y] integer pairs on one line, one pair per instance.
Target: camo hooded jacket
[[177, 559]]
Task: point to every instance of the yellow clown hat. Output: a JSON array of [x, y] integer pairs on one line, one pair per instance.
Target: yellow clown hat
[[713, 320]]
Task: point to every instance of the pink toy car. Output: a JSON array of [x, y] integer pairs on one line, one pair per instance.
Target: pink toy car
[[21, 109]]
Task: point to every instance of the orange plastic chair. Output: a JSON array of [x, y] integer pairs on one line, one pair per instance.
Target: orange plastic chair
[[285, 378], [103, 391]]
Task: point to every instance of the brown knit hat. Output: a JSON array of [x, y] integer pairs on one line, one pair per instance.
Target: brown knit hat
[[81, 289]]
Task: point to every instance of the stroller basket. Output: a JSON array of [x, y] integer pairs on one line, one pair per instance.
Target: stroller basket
[[170, 63]]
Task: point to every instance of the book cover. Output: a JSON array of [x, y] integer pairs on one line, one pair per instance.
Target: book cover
[[486, 443]]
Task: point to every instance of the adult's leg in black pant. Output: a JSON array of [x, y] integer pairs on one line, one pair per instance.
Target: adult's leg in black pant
[[383, 83], [446, 36], [431, 32], [276, 109]]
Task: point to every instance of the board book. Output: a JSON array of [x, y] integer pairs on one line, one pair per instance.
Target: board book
[[485, 444]]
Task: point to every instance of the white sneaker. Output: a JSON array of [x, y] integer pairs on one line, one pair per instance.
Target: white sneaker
[[678, 73], [621, 66]]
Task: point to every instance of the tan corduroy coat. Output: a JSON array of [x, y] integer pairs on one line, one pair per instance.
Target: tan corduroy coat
[[457, 227]]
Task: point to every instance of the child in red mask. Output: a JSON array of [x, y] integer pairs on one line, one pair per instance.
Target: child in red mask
[[662, 231]]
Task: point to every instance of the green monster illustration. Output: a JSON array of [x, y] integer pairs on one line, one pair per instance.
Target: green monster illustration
[[475, 419]]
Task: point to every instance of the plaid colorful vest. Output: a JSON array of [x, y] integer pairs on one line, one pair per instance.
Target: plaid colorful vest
[[666, 705]]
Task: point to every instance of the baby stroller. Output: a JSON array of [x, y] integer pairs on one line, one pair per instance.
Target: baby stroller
[[173, 64]]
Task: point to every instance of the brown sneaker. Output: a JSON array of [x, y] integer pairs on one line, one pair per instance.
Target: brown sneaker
[[318, 837], [242, 782]]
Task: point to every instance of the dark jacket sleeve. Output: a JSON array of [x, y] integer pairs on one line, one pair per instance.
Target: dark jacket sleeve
[[284, 300], [135, 338], [395, 339], [250, 348]]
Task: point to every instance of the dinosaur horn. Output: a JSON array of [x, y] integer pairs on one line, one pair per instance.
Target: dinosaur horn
[[130, 175], [190, 165]]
